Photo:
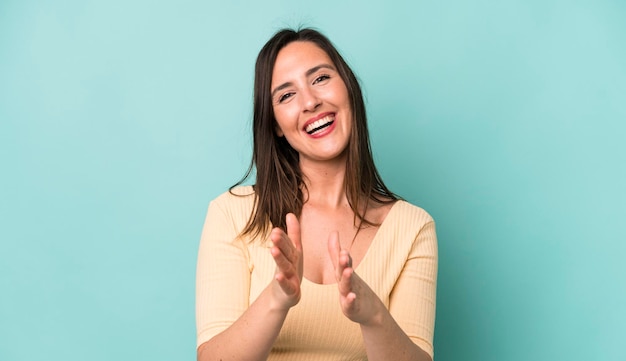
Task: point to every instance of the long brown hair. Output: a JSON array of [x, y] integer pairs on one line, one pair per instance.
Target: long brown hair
[[279, 180]]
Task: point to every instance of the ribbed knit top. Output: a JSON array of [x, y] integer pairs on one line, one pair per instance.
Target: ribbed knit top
[[400, 266]]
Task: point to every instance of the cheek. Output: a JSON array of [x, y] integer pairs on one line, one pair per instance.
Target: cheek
[[286, 118], [282, 123], [340, 94]]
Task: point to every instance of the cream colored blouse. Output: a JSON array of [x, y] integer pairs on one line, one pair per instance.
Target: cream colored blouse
[[400, 266]]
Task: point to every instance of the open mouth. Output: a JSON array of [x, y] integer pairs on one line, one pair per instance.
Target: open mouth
[[320, 124]]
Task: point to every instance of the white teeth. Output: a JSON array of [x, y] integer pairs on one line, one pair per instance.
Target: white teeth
[[318, 123]]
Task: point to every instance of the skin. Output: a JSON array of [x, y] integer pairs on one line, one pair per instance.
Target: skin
[[305, 84]]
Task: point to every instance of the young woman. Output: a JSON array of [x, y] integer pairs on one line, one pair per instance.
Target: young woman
[[318, 260]]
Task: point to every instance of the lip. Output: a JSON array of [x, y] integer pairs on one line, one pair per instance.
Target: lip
[[324, 131], [316, 118]]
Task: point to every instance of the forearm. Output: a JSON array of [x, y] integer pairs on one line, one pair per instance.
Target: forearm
[[412, 304], [250, 337], [385, 340], [382, 336]]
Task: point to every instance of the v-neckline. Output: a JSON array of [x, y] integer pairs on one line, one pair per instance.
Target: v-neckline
[[373, 243]]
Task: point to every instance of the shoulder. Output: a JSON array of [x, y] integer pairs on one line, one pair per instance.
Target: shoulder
[[405, 212], [240, 195], [413, 230], [406, 223], [236, 204]]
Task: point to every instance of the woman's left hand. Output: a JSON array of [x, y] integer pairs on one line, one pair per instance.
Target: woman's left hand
[[358, 302]]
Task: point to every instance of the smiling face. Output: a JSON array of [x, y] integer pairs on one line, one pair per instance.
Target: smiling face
[[311, 103]]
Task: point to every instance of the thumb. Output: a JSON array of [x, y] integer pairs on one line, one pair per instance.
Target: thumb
[[293, 230], [334, 248]]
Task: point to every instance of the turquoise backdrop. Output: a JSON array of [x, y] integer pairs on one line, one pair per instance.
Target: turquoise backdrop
[[121, 120]]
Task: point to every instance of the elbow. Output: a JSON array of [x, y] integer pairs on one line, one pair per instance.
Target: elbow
[[202, 353], [423, 355]]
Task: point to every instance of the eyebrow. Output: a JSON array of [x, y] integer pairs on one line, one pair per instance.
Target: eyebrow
[[308, 73]]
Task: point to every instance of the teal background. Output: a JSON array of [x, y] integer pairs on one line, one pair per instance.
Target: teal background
[[120, 120]]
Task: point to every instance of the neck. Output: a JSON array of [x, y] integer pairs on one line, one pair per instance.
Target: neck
[[325, 183]]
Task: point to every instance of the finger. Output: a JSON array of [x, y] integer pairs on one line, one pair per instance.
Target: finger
[[282, 242], [283, 264], [284, 284], [350, 298], [343, 263], [334, 249], [345, 282], [345, 260], [293, 230]]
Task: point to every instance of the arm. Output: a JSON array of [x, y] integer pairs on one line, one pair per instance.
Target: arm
[[250, 337], [223, 291], [383, 337]]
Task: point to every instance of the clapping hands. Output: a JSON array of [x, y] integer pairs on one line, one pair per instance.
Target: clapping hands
[[287, 253], [358, 302]]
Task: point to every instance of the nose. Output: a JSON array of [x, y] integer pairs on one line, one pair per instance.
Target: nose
[[310, 100]]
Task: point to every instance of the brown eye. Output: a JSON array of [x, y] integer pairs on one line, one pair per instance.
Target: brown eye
[[321, 78], [284, 97]]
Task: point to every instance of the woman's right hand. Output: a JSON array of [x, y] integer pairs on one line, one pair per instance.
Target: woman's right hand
[[287, 253], [260, 324]]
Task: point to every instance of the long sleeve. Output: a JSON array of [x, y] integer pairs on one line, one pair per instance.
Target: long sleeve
[[400, 267], [223, 274], [412, 300]]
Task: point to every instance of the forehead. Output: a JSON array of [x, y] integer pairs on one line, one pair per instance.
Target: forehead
[[296, 58]]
